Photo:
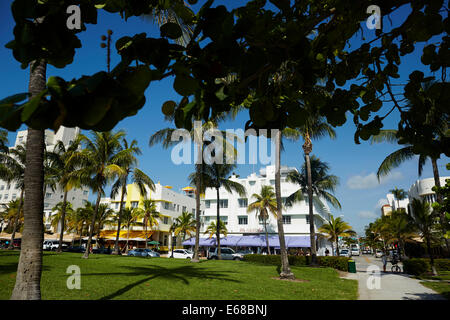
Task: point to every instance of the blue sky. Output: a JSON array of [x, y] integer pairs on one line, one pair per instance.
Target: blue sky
[[359, 192]]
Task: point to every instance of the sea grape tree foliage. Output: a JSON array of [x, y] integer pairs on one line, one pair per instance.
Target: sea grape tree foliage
[[280, 64]]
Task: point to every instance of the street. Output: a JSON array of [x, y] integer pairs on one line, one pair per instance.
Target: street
[[374, 284]]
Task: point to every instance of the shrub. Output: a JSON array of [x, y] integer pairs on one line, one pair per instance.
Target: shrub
[[416, 266], [442, 264], [340, 263]]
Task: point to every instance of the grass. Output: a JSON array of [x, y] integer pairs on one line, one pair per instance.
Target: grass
[[443, 288], [122, 277]]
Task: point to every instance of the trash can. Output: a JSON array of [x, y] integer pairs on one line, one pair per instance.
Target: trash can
[[351, 266]]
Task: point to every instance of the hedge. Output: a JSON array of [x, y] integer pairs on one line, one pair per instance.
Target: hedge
[[418, 266], [340, 263]]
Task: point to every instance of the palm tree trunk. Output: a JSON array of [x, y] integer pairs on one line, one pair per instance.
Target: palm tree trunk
[[16, 220], [195, 258], [286, 272], [219, 256], [128, 236], [91, 229], [337, 246], [146, 234], [116, 244], [437, 183], [63, 218], [28, 278], [267, 236], [312, 231], [433, 269], [81, 233]]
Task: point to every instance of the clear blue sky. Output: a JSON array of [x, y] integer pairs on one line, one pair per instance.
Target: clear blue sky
[[356, 165]]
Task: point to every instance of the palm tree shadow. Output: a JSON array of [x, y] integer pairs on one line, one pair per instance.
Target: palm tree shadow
[[180, 273]]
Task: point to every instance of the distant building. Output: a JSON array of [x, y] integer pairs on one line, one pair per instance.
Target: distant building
[[397, 204], [386, 210], [421, 189], [76, 197]]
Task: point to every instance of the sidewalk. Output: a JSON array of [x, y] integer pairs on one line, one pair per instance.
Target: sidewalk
[[393, 286]]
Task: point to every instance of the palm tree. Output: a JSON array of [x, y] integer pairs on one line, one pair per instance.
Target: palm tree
[[401, 229], [185, 224], [212, 229], [164, 137], [12, 170], [424, 220], [314, 127], [104, 217], [315, 184], [4, 141], [61, 167], [265, 202], [130, 217], [335, 228], [60, 218], [399, 194], [216, 176], [12, 215], [151, 216], [128, 161], [98, 166]]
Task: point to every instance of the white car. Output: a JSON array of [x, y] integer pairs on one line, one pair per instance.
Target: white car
[[355, 252], [378, 254], [181, 254], [52, 245], [345, 253]]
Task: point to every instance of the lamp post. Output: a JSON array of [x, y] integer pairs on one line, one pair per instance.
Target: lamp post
[[173, 237]]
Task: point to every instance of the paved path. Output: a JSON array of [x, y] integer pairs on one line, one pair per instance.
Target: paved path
[[387, 286]]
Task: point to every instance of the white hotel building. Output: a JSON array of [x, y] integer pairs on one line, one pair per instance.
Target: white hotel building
[[233, 208], [75, 196]]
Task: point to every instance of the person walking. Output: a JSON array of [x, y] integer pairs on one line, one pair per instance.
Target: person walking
[[384, 260], [327, 252]]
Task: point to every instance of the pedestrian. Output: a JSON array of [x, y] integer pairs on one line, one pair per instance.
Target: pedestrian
[[327, 252], [384, 260]]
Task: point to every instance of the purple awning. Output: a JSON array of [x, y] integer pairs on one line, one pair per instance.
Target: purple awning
[[252, 241]]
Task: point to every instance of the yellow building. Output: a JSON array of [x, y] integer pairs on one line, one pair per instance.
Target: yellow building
[[169, 203]]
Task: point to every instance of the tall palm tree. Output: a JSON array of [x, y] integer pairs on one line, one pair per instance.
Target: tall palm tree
[[424, 219], [217, 176], [12, 170], [315, 184], [130, 218], [212, 229], [314, 127], [185, 224], [61, 167], [127, 161], [151, 216], [104, 217], [401, 229], [98, 167], [335, 228], [12, 215], [4, 141], [399, 194], [264, 204], [164, 136]]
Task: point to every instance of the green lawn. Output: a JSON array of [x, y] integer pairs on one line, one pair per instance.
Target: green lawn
[[442, 288], [121, 277]]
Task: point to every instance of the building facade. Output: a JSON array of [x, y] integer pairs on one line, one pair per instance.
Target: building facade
[[169, 203], [75, 196], [233, 208]]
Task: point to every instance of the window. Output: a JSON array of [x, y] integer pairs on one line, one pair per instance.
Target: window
[[193, 212], [8, 187], [307, 219], [178, 207], [243, 203], [272, 182], [0, 196], [46, 205], [184, 208], [208, 203], [224, 220], [242, 220], [6, 196], [16, 186], [134, 204], [252, 183], [61, 196], [165, 220], [223, 203], [2, 187], [14, 196], [117, 205], [20, 138], [85, 192], [166, 205], [48, 195], [165, 240], [286, 219], [261, 220]]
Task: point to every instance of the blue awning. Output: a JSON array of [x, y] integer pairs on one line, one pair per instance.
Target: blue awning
[[252, 241]]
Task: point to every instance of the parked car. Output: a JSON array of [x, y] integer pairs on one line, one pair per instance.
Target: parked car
[[78, 249], [378, 253], [102, 250], [345, 253], [143, 253], [53, 245], [181, 254], [226, 254], [354, 252], [244, 252]]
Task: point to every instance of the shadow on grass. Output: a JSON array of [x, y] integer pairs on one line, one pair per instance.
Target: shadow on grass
[[180, 273], [12, 268]]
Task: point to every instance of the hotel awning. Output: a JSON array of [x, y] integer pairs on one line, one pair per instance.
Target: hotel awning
[[133, 235]]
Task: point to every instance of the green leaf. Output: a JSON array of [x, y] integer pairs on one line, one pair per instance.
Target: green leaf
[[14, 99], [31, 106], [168, 107], [185, 85], [171, 30]]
